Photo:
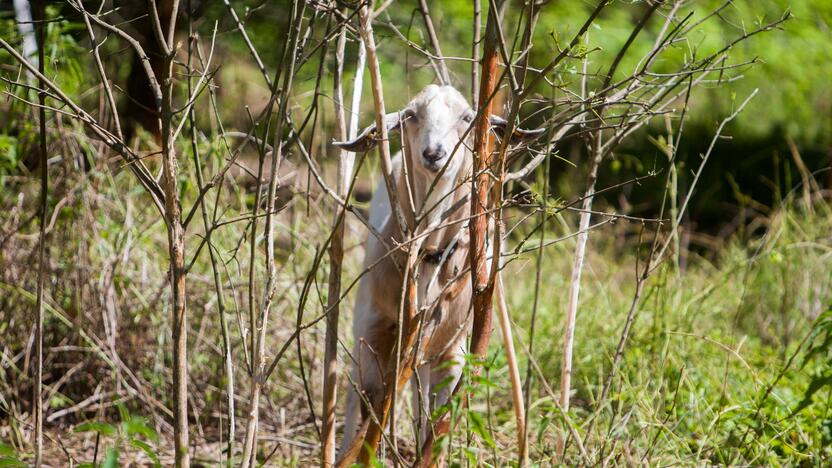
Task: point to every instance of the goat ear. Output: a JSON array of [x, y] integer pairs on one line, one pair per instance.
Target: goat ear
[[368, 138], [520, 135]]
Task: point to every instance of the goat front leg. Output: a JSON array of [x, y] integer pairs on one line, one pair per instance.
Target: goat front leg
[[373, 344], [420, 404], [446, 372]]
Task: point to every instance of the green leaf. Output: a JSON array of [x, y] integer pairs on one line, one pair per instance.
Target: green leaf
[[147, 449], [440, 445], [138, 426], [478, 427], [111, 458], [122, 411], [99, 427], [471, 455], [823, 326], [374, 462], [818, 382], [440, 411], [443, 383]]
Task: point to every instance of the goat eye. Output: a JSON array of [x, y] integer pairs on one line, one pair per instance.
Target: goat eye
[[467, 118], [410, 116]]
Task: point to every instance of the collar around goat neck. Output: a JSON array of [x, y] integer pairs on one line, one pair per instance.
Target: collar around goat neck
[[436, 257]]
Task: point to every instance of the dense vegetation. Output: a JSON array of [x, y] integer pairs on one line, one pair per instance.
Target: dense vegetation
[[728, 360]]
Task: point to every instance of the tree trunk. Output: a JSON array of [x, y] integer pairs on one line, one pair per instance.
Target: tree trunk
[[37, 406], [336, 252], [176, 245], [483, 289]]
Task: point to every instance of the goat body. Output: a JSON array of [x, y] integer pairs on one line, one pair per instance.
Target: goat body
[[432, 176]]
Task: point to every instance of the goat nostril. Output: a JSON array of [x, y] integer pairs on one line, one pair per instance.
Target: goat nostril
[[433, 154], [430, 155]]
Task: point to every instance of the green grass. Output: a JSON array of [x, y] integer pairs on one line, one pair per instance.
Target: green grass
[[706, 345], [716, 363], [727, 361]]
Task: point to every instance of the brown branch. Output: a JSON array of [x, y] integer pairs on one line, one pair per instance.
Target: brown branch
[[241, 27], [134, 163], [475, 52], [483, 289], [176, 252], [346, 162], [480, 187], [580, 248], [259, 332], [218, 286], [444, 77], [513, 371], [37, 405], [398, 368]]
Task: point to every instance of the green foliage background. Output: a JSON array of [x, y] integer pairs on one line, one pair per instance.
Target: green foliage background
[[790, 67], [708, 376], [793, 70]]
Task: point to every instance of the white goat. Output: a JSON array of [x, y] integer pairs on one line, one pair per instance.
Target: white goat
[[433, 125]]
